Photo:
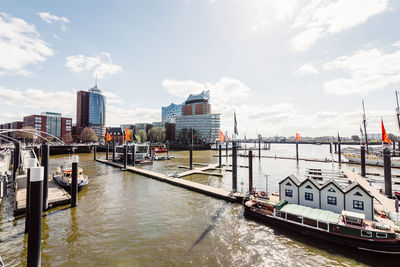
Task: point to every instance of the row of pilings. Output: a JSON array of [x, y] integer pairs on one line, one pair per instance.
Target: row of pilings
[[37, 188]]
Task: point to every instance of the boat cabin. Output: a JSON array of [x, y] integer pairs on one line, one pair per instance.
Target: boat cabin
[[353, 218], [309, 193], [332, 196]]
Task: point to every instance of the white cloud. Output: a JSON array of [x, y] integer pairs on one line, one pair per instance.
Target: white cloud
[[49, 18], [100, 65], [307, 69], [396, 44], [321, 18], [224, 91], [40, 100], [117, 115], [369, 70], [20, 45]]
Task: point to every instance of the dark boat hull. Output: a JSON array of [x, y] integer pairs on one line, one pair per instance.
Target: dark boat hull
[[67, 186], [387, 247]]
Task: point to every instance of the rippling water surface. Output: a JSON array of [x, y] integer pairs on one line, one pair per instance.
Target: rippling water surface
[[123, 219]]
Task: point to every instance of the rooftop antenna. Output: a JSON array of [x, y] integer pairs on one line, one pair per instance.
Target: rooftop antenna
[[96, 81]]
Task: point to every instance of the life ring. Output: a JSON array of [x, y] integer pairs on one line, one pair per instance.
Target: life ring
[[263, 194]]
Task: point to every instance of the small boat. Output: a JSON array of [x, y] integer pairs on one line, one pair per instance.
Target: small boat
[[397, 195], [63, 177], [159, 149]]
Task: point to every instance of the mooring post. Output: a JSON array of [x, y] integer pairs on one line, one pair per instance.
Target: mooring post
[[387, 172], [31, 162], [250, 172], [125, 156], [226, 149], [150, 149], [167, 143], [35, 216], [45, 165], [74, 187], [335, 147], [219, 155], [259, 149], [234, 167], [394, 148], [133, 154], [94, 152], [339, 153], [107, 149], [297, 151], [363, 161], [191, 156], [113, 151], [330, 148], [16, 159]]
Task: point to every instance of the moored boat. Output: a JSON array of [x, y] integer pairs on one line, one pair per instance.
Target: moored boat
[[63, 177], [349, 229], [373, 158]]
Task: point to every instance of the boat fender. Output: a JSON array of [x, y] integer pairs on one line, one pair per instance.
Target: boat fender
[[263, 194]]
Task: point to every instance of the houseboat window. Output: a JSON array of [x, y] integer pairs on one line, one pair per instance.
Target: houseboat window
[[308, 196], [332, 200], [288, 193], [294, 218], [381, 235], [366, 233], [331, 190], [323, 225], [310, 222], [358, 205], [309, 187], [280, 214], [288, 184]]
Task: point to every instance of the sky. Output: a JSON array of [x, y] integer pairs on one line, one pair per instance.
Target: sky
[[282, 66]]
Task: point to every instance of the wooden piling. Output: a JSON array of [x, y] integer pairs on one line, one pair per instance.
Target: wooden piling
[[74, 186], [45, 165], [363, 161], [234, 167], [387, 172], [250, 172]]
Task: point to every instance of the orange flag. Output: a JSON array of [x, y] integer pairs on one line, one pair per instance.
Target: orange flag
[[221, 136], [127, 135], [385, 137], [108, 137], [297, 137], [226, 137]]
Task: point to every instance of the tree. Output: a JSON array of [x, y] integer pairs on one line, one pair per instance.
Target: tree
[[142, 135], [157, 134], [68, 138], [28, 136], [138, 138], [185, 135], [88, 135], [355, 138], [393, 137]]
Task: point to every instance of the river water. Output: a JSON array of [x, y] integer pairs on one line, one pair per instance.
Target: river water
[[123, 219]]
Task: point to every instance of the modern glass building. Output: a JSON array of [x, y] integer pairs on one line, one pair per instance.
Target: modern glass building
[[53, 123], [168, 114], [97, 111], [206, 126]]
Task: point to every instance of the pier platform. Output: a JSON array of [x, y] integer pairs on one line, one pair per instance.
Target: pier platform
[[193, 186], [56, 196]]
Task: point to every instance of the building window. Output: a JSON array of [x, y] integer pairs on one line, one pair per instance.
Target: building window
[[308, 196], [332, 200], [38, 119], [288, 193], [366, 233], [358, 205]]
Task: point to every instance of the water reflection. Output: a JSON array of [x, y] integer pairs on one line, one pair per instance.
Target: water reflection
[[123, 219]]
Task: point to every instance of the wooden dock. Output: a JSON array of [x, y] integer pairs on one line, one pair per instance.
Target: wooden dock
[[200, 188], [56, 196], [388, 204]]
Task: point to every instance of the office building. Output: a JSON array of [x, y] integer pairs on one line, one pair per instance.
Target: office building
[[206, 126], [52, 123], [91, 111]]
